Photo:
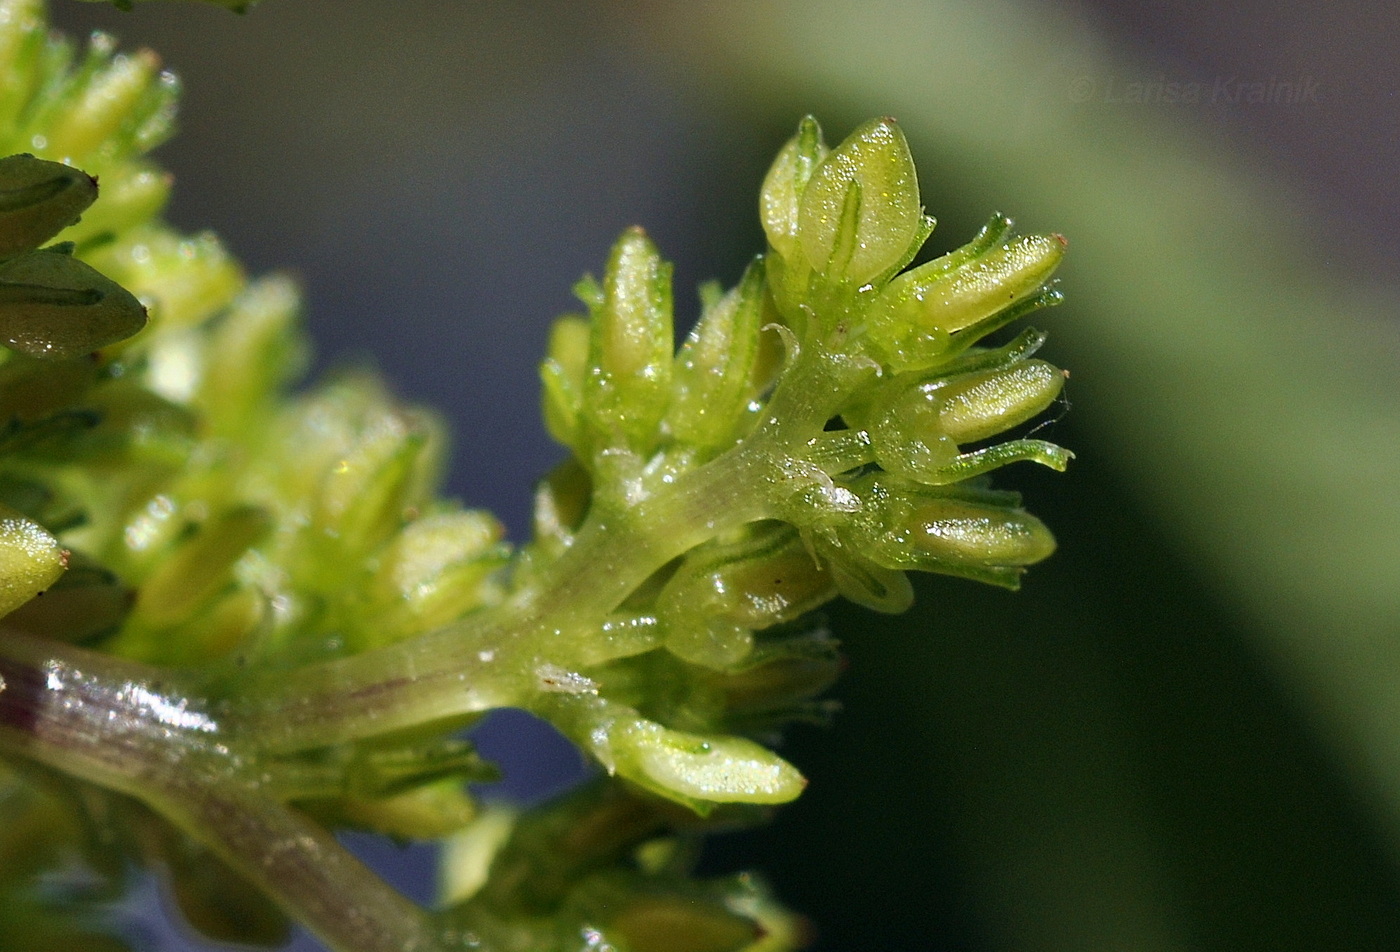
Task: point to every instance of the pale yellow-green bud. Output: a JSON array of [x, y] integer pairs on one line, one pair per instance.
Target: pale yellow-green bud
[[186, 279], [132, 194], [368, 493], [631, 346], [962, 531], [971, 533], [694, 769], [860, 212], [918, 428], [435, 571], [977, 406], [562, 378], [780, 199], [201, 566], [30, 559], [108, 102], [715, 367], [713, 769]]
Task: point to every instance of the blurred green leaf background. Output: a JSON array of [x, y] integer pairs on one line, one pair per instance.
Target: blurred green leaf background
[[1184, 733]]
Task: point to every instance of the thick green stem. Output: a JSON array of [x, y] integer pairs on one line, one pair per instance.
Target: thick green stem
[[493, 659]]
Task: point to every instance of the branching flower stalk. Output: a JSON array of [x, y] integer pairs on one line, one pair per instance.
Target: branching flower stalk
[[238, 618]]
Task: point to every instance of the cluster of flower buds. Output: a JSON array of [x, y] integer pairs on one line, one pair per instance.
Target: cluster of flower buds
[[52, 308], [847, 395], [825, 428], [204, 516]]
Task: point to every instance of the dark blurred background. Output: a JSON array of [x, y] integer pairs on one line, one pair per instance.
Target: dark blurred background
[[1184, 732]]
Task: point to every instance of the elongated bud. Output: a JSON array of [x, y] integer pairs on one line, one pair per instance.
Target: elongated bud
[[367, 494], [38, 199], [30, 559], [705, 769], [132, 194], [562, 375], [254, 351], [114, 102], [860, 212], [53, 306], [654, 923], [697, 770], [980, 538], [974, 289], [630, 350], [187, 279], [203, 565], [977, 406], [963, 531], [715, 366], [780, 199], [918, 430]]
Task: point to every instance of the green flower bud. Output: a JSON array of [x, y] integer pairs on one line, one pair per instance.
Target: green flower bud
[[975, 290], [860, 213], [715, 367], [974, 535], [434, 572], [963, 291], [562, 375], [699, 771], [368, 493], [187, 280], [30, 559], [251, 354], [38, 199], [53, 306], [780, 199], [669, 923], [200, 567], [919, 426], [977, 406], [702, 769], [721, 594], [85, 602], [125, 104], [630, 351]]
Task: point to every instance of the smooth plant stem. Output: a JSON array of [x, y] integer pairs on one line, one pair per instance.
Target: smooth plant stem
[[299, 864], [119, 725]]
